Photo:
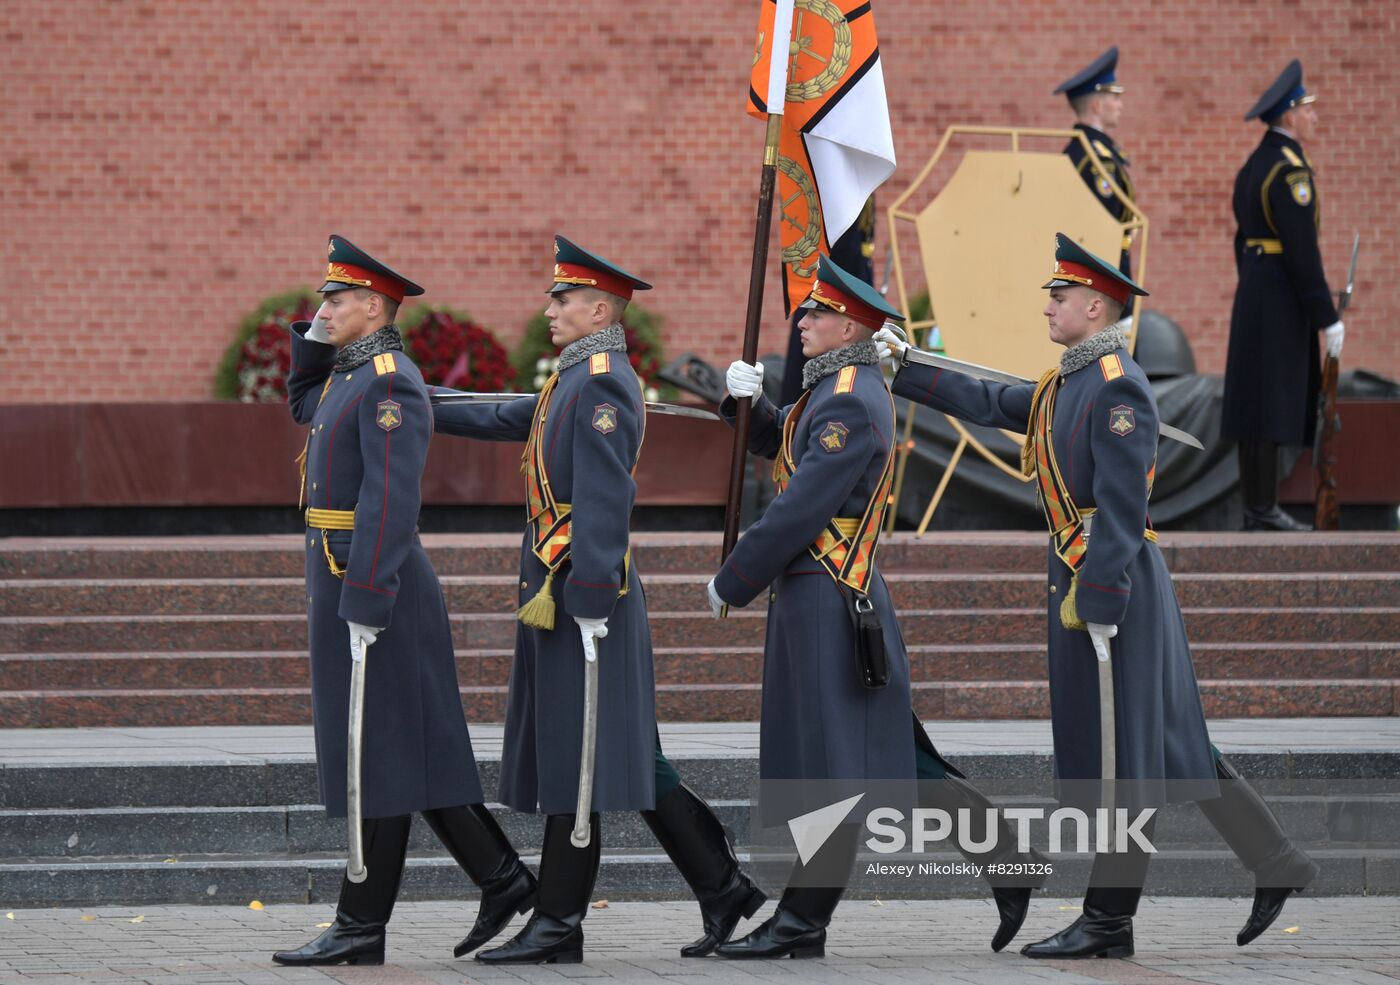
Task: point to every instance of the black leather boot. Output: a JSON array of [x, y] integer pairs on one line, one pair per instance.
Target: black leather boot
[[1253, 833], [1012, 893], [481, 848], [1259, 479], [696, 842], [357, 934], [1105, 929], [554, 932], [797, 928]]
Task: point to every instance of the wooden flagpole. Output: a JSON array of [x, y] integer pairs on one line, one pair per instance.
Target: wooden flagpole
[[763, 225]]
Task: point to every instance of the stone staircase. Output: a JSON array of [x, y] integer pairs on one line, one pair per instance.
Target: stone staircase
[[183, 815], [211, 631]]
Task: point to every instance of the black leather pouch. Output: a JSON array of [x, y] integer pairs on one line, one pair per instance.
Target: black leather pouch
[[871, 664]]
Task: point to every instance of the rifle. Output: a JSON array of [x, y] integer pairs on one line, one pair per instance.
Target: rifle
[[1328, 421]]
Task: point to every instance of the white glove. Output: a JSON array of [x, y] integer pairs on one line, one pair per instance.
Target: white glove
[[1333, 335], [366, 635], [1099, 635], [744, 380], [317, 331], [893, 345], [593, 627], [716, 603]]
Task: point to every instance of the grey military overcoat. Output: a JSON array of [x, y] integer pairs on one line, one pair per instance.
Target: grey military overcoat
[[818, 720], [1105, 440], [368, 442], [591, 439]]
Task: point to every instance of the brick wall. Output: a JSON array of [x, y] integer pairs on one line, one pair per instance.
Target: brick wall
[[169, 163]]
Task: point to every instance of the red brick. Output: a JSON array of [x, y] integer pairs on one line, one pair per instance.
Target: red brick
[[167, 165]]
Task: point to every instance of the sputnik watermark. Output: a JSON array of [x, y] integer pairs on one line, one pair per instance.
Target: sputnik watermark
[[1113, 830], [923, 829]]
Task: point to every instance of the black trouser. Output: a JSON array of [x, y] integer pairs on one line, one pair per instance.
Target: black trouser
[[942, 785]]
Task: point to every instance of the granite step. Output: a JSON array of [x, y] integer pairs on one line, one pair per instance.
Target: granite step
[[1343, 818], [220, 815], [81, 770], [671, 592], [296, 829], [623, 875], [283, 556], [1004, 662], [78, 634], [728, 702]]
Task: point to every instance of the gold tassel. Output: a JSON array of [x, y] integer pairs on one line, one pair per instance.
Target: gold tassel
[[306, 449], [301, 471], [335, 569], [1069, 612], [1028, 446], [539, 611]]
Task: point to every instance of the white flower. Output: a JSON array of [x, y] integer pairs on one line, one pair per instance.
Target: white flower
[[542, 365], [652, 394], [540, 380]]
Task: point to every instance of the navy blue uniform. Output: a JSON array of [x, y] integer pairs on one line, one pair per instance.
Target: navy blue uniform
[[1105, 439], [592, 436], [1113, 161], [1273, 370], [369, 438]]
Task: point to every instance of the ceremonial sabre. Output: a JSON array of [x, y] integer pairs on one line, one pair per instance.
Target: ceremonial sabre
[[444, 396], [1108, 728], [912, 355], [587, 755], [1108, 724], [355, 869]]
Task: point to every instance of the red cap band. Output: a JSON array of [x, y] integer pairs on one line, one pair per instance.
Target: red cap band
[[853, 308], [580, 276], [348, 273], [1079, 274]]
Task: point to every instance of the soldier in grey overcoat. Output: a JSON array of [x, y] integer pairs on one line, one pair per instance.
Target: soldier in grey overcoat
[[1272, 370], [1092, 447], [368, 578], [583, 435], [833, 451]]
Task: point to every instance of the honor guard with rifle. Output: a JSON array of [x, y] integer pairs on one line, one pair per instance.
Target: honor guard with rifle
[[836, 691], [581, 596], [374, 607], [1119, 661], [1096, 97], [1272, 370]]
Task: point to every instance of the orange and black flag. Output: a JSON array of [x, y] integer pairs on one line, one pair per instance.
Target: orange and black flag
[[836, 145]]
